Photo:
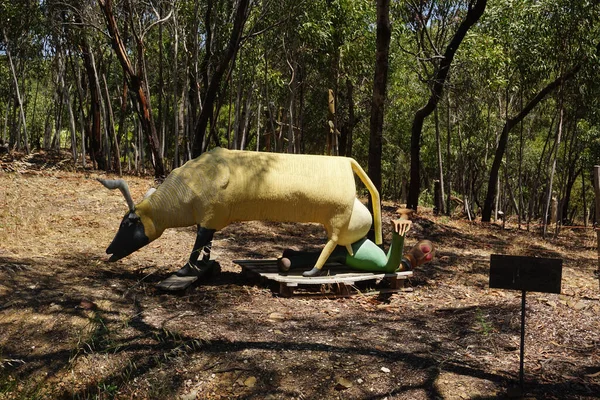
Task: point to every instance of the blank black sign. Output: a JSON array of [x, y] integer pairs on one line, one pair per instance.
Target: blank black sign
[[530, 274]]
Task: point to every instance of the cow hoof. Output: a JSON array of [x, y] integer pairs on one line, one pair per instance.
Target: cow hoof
[[312, 272], [188, 270]]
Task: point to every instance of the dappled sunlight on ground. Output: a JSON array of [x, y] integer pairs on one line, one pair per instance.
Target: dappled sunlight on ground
[[75, 326]]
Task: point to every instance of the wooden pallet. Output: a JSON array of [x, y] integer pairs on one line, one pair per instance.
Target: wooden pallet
[[340, 278]]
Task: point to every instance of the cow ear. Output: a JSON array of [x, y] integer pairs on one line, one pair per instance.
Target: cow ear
[[149, 193]]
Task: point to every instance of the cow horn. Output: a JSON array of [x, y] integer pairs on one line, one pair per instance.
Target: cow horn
[[122, 186]]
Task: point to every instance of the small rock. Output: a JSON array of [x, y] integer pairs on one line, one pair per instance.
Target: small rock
[[386, 370]]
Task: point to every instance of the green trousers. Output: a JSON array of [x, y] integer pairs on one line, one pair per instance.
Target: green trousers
[[367, 256]]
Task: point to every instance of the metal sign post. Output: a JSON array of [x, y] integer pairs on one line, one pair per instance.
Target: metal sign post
[[527, 274]]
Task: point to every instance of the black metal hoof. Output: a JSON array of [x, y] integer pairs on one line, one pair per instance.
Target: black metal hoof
[[188, 270]]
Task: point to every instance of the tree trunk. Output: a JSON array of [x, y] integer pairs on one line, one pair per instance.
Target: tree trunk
[[473, 14], [247, 114], [111, 127], [161, 85], [379, 92], [347, 129], [193, 100], [440, 164], [93, 126], [291, 137], [571, 161], [136, 84], [176, 109], [35, 138], [553, 168], [448, 155], [4, 137], [17, 93], [585, 206], [59, 100], [258, 111], [83, 123], [71, 122], [241, 15]]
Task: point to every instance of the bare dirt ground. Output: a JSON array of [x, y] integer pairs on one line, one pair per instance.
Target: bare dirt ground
[[75, 326]]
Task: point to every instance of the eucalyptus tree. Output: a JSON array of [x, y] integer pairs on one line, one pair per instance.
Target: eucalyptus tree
[[21, 36], [220, 65], [429, 21], [136, 77], [79, 28], [384, 34], [555, 37]]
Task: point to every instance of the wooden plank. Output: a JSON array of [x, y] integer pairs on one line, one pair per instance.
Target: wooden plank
[[340, 277], [285, 290], [321, 280], [530, 274]]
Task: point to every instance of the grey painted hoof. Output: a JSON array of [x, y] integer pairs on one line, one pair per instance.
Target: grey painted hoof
[[312, 272]]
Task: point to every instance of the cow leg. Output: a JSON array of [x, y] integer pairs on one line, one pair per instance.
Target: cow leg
[[325, 253], [203, 242]]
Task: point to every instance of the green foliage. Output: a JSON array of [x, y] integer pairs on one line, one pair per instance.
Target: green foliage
[[293, 53]]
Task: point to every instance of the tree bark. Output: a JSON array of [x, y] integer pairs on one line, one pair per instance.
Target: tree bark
[[347, 129], [92, 127], [438, 142], [136, 84], [111, 127], [379, 92], [241, 15], [473, 14]]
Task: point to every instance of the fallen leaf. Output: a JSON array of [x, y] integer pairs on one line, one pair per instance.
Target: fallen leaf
[[343, 384], [250, 382], [551, 303], [87, 305], [276, 317]]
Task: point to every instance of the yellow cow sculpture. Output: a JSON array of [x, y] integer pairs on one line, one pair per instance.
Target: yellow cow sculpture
[[224, 186]]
